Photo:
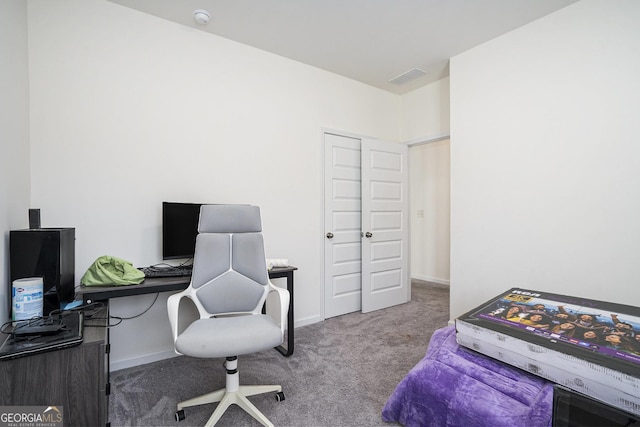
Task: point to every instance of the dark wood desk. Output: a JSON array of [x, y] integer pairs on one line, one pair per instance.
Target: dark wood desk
[[75, 378], [154, 285]]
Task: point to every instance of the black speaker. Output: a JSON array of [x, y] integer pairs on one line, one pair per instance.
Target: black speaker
[[34, 218], [48, 253]]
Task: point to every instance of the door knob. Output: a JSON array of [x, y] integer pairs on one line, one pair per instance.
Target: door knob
[[368, 234], [329, 235]]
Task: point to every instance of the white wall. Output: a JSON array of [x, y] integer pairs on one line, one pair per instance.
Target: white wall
[[425, 116], [128, 110], [429, 166], [14, 134], [425, 112], [545, 179]]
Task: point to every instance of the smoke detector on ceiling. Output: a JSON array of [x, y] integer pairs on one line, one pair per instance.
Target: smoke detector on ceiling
[[408, 76], [201, 16]]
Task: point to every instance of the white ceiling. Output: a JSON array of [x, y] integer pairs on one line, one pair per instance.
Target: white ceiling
[[371, 41]]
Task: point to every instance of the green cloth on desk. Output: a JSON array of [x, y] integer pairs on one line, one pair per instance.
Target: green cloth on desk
[[109, 270]]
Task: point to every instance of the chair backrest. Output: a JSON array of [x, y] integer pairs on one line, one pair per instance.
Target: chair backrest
[[229, 266]]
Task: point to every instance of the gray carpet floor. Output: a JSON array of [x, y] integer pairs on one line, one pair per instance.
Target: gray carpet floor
[[342, 372]]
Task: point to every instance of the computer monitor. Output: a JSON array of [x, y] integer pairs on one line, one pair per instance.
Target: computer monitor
[[179, 229]]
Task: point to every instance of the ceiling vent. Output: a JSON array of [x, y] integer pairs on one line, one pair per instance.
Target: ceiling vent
[[408, 76]]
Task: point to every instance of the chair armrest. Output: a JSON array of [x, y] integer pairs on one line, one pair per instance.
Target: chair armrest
[[283, 298], [173, 310]]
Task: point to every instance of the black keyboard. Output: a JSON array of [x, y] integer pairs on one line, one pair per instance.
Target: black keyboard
[[181, 271]]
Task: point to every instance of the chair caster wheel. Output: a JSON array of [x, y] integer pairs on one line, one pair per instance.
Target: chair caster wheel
[[279, 396], [180, 415]]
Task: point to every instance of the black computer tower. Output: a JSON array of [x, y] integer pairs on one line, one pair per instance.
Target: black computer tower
[[572, 409], [48, 253]]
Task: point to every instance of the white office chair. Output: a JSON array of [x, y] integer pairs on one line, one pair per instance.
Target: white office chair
[[229, 286]]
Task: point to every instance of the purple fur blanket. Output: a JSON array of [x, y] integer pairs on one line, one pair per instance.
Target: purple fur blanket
[[455, 387]]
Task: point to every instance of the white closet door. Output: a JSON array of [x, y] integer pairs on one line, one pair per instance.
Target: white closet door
[[385, 224], [365, 191], [342, 242]]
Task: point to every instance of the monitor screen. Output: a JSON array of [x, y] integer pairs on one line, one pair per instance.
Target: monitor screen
[[179, 229]]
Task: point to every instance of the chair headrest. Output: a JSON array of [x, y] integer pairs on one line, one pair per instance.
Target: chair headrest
[[229, 219]]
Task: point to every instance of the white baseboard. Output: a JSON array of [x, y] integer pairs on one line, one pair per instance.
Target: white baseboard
[[307, 321], [143, 359], [431, 279]]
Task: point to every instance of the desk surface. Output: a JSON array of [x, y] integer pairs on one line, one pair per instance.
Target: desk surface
[[153, 285]]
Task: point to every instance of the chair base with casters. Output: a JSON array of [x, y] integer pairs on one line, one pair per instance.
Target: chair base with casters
[[232, 394], [229, 287]]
